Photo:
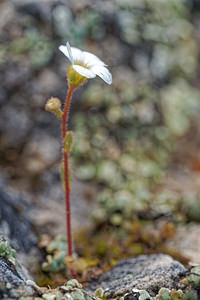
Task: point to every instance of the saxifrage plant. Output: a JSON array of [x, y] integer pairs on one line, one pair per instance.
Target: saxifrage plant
[[84, 66]]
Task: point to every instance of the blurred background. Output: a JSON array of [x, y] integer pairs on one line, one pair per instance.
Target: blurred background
[[135, 159]]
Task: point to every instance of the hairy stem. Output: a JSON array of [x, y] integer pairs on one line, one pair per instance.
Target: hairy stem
[[66, 174]]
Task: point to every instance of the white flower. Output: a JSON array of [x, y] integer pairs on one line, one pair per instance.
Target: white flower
[[86, 64]]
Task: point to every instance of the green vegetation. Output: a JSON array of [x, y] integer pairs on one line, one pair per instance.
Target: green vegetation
[[7, 252]]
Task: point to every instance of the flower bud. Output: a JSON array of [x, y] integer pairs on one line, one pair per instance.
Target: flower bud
[[74, 78], [54, 105]]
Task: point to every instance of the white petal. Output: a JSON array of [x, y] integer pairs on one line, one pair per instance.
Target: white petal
[[103, 73], [91, 59], [77, 55], [70, 52], [83, 71], [64, 50]]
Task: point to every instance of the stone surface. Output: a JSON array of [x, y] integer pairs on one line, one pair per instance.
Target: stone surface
[[148, 272], [16, 227], [14, 222], [13, 280], [187, 242]]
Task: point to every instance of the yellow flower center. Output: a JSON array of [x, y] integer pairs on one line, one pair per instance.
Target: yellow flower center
[[74, 78]]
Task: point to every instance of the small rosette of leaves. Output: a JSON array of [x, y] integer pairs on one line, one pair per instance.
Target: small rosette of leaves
[[7, 252]]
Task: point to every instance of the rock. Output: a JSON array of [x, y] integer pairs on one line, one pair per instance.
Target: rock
[[13, 276], [36, 9], [187, 242], [12, 285], [14, 132], [145, 272], [14, 222], [16, 227]]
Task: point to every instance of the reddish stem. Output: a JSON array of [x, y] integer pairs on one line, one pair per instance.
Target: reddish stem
[[66, 174]]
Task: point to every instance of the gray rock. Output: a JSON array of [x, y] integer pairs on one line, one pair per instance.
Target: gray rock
[[148, 272], [187, 242], [16, 227], [36, 9], [14, 221], [13, 280]]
